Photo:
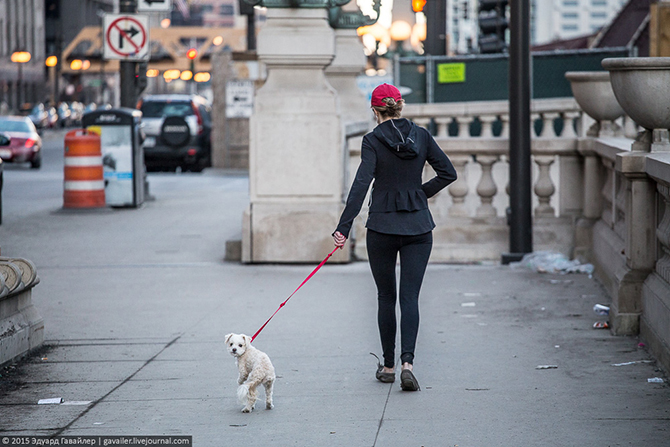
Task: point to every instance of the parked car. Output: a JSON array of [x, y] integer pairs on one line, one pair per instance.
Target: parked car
[[90, 107], [25, 144], [177, 131], [64, 115], [77, 110], [39, 116], [52, 117]]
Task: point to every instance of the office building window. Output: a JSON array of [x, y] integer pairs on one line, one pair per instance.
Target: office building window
[[599, 15], [570, 27], [570, 15]]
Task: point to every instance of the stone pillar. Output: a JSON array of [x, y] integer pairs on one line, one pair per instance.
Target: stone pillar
[[349, 62], [296, 153], [626, 306], [221, 75]]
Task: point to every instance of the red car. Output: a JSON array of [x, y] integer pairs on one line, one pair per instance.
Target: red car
[[25, 145]]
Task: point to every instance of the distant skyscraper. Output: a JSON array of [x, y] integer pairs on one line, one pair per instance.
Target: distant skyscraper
[[566, 19], [550, 20]]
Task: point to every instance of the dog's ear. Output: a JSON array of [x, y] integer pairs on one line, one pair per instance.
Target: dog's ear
[[228, 337], [247, 339]]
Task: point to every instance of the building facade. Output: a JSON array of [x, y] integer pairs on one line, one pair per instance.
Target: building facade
[[566, 19], [21, 29], [550, 20]]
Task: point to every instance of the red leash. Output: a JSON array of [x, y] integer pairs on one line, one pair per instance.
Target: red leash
[[303, 283]]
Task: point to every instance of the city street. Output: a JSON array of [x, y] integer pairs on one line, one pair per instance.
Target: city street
[[137, 302]]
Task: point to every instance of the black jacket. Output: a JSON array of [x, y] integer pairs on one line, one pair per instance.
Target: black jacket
[[394, 155]]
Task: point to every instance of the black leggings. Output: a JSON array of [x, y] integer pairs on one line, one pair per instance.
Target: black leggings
[[414, 253]]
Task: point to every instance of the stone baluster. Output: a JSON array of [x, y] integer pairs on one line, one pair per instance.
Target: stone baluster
[[533, 117], [630, 128], [548, 124], [486, 189], [487, 125], [422, 121], [464, 125], [504, 118], [569, 124], [442, 127], [620, 205], [608, 193], [459, 189], [544, 187]]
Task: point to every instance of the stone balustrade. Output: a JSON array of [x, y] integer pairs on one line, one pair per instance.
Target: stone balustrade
[[628, 212], [471, 213], [21, 326]]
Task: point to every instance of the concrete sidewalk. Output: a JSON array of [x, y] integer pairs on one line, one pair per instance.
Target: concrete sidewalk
[[136, 304]]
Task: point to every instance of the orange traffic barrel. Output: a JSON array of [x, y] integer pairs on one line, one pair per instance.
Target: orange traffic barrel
[[84, 183]]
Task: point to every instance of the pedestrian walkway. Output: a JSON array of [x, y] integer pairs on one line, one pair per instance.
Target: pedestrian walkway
[[136, 304]]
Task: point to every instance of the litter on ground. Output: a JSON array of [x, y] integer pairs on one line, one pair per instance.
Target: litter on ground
[[551, 262]]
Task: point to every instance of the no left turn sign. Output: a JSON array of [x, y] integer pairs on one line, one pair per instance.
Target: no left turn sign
[[126, 37]]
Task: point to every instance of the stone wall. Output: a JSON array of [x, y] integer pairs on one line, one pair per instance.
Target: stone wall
[[21, 326]]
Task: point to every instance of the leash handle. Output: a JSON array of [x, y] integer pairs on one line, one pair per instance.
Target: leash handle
[[302, 284]]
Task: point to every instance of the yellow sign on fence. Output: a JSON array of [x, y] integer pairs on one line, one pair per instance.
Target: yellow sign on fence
[[450, 73]]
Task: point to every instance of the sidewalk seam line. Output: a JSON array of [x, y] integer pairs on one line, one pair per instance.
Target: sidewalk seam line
[[109, 393], [381, 420]]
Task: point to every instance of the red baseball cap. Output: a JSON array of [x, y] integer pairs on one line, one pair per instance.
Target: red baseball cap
[[384, 91]]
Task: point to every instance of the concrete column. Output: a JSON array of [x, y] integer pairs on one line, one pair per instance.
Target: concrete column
[[640, 244], [349, 62], [221, 71], [296, 153]]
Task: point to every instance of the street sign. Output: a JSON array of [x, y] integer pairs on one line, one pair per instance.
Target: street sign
[[154, 5], [239, 99], [126, 37]]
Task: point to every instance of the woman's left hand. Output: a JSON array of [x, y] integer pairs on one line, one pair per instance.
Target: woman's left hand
[[339, 239]]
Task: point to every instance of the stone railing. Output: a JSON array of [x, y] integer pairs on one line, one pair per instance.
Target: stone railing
[[21, 326], [471, 213], [627, 220]]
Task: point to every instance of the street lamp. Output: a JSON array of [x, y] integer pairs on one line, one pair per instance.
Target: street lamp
[[191, 54], [76, 64], [20, 57], [376, 39], [203, 76], [51, 62], [400, 31]]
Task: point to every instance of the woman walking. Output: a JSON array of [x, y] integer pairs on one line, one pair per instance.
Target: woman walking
[[394, 155]]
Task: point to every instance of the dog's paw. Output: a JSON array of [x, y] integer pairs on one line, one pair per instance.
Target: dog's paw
[[243, 393], [269, 406]]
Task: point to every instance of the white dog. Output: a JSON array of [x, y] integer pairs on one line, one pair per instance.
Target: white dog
[[255, 369]]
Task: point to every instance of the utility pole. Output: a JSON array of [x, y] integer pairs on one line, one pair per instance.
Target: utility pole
[[128, 69], [436, 27], [520, 210]]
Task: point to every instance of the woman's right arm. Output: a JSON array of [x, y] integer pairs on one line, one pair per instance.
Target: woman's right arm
[[359, 188]]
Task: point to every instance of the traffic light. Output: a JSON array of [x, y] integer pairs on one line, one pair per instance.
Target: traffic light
[[417, 5], [492, 25], [192, 53]]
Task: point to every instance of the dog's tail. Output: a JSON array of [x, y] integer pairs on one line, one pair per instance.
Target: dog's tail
[[243, 393]]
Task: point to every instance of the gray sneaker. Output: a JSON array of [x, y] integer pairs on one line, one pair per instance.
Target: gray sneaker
[[408, 382]]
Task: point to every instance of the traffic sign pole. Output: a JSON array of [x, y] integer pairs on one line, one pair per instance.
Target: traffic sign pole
[[127, 69]]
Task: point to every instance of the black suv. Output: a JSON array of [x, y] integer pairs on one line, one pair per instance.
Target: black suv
[[177, 131]]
